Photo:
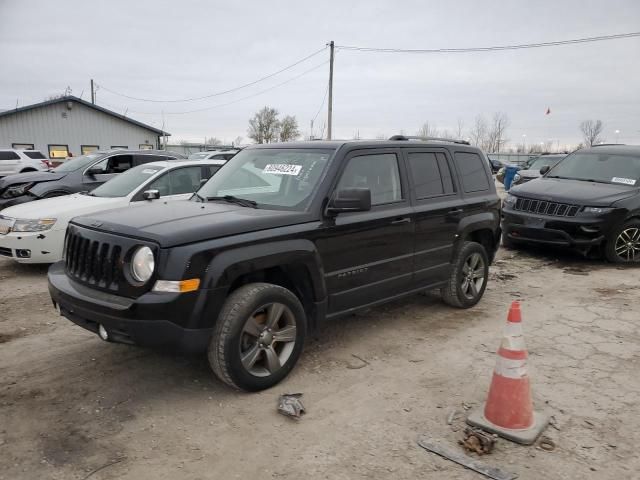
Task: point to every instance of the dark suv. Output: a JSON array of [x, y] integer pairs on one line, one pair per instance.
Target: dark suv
[[283, 237], [76, 175], [590, 199]]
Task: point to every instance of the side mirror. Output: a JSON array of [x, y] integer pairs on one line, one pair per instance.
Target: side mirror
[[151, 195], [350, 200], [545, 169], [94, 171]]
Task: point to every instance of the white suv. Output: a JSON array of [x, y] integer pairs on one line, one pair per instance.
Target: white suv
[[20, 161]]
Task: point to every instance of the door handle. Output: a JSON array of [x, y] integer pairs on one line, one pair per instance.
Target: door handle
[[455, 211], [399, 221]]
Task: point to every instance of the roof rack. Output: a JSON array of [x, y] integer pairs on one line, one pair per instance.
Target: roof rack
[[429, 139]]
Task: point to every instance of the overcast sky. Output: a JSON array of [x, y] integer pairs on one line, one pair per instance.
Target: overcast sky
[[173, 50]]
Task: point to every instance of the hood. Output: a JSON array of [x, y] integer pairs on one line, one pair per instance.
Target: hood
[[177, 223], [574, 191], [64, 207], [29, 177]]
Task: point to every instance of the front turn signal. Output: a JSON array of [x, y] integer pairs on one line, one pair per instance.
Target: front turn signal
[[177, 286]]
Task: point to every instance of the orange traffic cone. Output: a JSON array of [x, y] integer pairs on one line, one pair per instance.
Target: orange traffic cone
[[508, 410]]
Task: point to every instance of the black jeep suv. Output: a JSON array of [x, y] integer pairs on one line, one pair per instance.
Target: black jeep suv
[[283, 237], [590, 199]]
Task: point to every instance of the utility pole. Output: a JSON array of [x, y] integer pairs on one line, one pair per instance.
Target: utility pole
[[93, 94], [330, 109]]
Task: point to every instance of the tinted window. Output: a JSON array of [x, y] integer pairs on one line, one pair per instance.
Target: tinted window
[[9, 156], [378, 173], [425, 173], [34, 154], [445, 171], [472, 171], [178, 181]]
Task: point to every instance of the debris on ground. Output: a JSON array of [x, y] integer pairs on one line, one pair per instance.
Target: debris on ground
[[478, 441], [290, 405], [547, 444], [448, 452], [451, 417], [360, 362]]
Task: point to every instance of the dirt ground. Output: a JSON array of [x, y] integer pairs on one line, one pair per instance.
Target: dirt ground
[[74, 407]]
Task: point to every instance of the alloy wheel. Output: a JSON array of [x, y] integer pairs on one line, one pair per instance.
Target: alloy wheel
[[268, 339], [628, 244], [473, 276]]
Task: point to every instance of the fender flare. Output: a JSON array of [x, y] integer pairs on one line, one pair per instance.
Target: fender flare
[[478, 221]]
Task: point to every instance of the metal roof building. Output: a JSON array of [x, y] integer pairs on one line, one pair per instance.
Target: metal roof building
[[71, 125]]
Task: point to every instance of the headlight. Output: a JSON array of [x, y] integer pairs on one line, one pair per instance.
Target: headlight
[[142, 264], [516, 178], [596, 210], [37, 225], [510, 200], [17, 190]]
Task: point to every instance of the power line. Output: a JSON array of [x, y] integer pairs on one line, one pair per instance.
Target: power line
[[493, 48], [233, 101], [324, 99], [216, 94]]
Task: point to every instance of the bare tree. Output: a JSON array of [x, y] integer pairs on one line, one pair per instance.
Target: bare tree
[[495, 134], [460, 128], [592, 130], [427, 130], [237, 141], [289, 129], [212, 141], [478, 132], [264, 126]]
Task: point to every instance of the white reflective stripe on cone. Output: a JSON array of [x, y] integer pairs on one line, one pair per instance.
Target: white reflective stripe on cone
[[508, 368]]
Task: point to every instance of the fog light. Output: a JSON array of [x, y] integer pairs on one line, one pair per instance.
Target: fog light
[[587, 229], [102, 332], [23, 253]]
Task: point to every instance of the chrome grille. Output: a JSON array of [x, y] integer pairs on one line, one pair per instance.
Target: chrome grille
[[543, 207]]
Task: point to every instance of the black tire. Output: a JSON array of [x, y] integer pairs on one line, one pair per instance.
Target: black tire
[[453, 293], [27, 170], [623, 244], [230, 334]]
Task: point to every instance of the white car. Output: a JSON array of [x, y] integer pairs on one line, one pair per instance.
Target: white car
[[21, 161], [214, 155], [34, 232]]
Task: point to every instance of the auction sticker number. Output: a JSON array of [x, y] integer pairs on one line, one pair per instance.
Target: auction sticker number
[[626, 181], [282, 169]]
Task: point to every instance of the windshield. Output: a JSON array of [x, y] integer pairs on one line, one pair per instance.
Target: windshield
[[538, 163], [282, 179], [125, 183], [78, 162], [599, 167], [199, 156]]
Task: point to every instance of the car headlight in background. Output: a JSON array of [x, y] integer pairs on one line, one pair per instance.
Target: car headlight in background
[[142, 264], [17, 190], [596, 210], [510, 200], [35, 225], [516, 178]]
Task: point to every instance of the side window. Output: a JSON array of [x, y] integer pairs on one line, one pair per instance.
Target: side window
[[178, 181], [379, 173], [426, 176], [445, 172], [9, 156], [119, 164], [472, 171]]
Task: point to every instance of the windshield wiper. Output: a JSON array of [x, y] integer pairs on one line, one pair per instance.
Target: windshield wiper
[[200, 197], [231, 199]]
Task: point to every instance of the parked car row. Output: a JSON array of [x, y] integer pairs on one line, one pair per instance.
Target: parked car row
[[14, 161]]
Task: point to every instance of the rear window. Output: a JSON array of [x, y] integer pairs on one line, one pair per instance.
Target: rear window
[[36, 155], [9, 155], [472, 172]]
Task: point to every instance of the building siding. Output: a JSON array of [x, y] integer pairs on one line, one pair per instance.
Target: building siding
[[83, 125]]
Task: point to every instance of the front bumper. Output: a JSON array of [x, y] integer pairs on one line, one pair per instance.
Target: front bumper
[[33, 247], [149, 321], [578, 231]]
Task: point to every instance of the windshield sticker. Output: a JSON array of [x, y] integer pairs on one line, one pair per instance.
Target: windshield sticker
[[149, 171], [626, 181], [282, 169]]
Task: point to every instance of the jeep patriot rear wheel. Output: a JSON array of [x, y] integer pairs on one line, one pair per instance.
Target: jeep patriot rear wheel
[[258, 337], [468, 278]]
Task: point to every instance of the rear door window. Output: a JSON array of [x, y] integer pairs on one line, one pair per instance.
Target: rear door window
[[425, 173], [9, 156], [472, 172]]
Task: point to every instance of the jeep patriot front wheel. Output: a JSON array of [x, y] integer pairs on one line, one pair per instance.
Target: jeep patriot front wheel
[[258, 337]]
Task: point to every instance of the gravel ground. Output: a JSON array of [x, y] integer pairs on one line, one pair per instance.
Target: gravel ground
[[74, 407]]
